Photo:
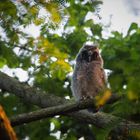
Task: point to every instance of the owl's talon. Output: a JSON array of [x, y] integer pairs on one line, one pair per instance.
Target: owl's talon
[[85, 97]]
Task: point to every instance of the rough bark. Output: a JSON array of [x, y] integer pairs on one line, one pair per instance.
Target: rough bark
[[42, 99], [69, 109], [27, 93], [51, 111]]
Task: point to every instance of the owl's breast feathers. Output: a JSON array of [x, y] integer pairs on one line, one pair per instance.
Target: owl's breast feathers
[[90, 80], [96, 78]]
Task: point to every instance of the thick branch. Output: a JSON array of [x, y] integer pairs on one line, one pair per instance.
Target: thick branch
[[72, 107], [42, 99], [51, 111], [27, 93]]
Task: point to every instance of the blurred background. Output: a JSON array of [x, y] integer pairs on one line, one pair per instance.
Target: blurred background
[[39, 40]]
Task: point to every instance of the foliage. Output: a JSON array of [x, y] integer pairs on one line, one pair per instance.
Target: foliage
[[48, 60], [123, 53]]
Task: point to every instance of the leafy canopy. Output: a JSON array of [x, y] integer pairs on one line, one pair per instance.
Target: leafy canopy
[[48, 61]]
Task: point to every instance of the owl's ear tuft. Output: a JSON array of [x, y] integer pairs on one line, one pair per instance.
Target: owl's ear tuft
[[92, 46]]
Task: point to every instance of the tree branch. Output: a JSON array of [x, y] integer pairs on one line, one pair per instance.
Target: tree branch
[[69, 108], [51, 111], [27, 93], [42, 99]]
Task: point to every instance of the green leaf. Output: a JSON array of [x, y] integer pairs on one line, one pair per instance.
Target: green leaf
[[133, 26], [8, 8], [2, 62]]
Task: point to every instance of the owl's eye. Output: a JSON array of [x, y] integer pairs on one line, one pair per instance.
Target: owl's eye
[[94, 56], [85, 56]]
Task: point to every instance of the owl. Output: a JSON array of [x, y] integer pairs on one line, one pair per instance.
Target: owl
[[88, 78]]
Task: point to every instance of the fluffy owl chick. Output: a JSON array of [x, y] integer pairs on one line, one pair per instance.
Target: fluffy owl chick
[[88, 78]]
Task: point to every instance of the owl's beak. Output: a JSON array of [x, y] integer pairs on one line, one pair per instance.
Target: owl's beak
[[93, 55]]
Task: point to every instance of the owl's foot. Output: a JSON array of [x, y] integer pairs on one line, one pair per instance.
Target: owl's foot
[[85, 97], [91, 109]]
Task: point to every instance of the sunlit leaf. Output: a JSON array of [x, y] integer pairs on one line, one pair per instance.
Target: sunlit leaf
[[102, 99], [135, 134], [34, 10], [53, 8], [2, 62], [132, 96], [38, 21]]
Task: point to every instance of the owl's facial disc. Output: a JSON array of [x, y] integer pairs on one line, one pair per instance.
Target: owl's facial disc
[[93, 56], [90, 55]]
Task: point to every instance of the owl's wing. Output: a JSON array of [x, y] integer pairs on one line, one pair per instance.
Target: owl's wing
[[103, 76]]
